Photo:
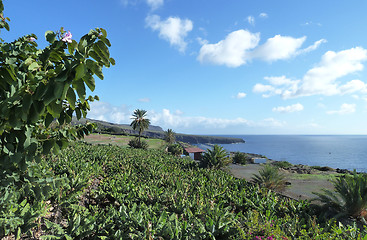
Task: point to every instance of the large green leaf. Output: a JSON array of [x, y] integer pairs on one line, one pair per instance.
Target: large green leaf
[[89, 80], [80, 71], [50, 36], [54, 109], [95, 68], [79, 86], [70, 97]]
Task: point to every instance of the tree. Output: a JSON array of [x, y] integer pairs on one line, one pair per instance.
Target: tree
[[175, 149], [170, 136], [270, 178], [140, 122], [215, 158], [349, 197], [39, 87]]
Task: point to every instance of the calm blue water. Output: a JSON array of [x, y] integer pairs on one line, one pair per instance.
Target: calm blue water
[[346, 152]]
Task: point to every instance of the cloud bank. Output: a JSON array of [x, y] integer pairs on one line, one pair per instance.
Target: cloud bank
[[321, 79], [176, 120]]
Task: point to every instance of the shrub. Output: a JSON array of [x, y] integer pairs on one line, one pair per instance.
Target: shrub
[[241, 158], [175, 149], [282, 164], [270, 177], [136, 143], [349, 197], [323, 169], [215, 158]]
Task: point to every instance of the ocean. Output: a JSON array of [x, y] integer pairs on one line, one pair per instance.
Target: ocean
[[336, 151]]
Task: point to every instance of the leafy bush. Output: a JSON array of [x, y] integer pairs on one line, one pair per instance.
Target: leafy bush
[[175, 149], [241, 158], [215, 158], [282, 164], [137, 143], [349, 197], [270, 178], [324, 169]]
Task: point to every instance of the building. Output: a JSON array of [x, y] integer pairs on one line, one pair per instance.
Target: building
[[194, 152]]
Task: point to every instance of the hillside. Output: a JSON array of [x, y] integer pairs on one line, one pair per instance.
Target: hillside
[[157, 132]]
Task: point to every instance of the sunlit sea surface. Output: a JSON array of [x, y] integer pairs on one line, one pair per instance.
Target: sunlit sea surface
[[337, 151]]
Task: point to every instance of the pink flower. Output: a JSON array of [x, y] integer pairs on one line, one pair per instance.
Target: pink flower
[[31, 39], [67, 37]]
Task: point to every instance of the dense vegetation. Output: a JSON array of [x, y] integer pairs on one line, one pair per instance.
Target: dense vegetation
[[108, 192]]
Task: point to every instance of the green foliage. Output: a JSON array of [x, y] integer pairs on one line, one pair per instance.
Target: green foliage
[[140, 122], [282, 164], [175, 149], [349, 197], [241, 158], [108, 192], [137, 143], [215, 158], [270, 178], [39, 87], [170, 136]]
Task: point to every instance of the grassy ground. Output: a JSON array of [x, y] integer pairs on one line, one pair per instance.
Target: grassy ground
[[302, 186], [121, 140]]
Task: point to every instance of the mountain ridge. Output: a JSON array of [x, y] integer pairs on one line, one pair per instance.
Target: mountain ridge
[[155, 132]]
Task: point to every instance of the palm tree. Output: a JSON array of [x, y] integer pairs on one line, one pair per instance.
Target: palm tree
[[170, 136], [140, 122], [215, 158], [349, 197], [270, 178]]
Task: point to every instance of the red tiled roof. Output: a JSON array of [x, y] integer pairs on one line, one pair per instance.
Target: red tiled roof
[[194, 150]]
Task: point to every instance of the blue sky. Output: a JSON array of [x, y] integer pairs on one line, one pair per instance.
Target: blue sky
[[221, 67]]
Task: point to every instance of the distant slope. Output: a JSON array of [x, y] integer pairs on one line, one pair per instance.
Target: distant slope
[[156, 132]]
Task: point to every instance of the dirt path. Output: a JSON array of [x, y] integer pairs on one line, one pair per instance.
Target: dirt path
[[301, 188]]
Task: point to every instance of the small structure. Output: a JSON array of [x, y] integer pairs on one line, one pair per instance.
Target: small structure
[[194, 152]]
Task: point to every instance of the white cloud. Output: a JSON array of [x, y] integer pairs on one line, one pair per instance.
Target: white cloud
[[232, 51], [282, 80], [334, 65], [353, 86], [278, 47], [173, 29], [313, 46], [144, 100], [106, 112], [251, 20], [311, 23], [154, 4], [322, 79], [263, 15], [240, 95], [344, 109], [288, 109], [241, 46], [271, 122]]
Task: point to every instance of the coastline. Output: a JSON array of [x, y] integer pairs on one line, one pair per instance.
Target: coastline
[[302, 180]]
